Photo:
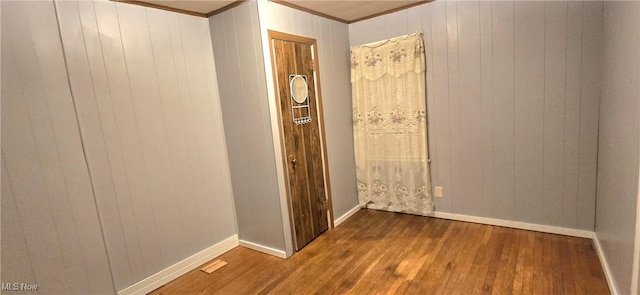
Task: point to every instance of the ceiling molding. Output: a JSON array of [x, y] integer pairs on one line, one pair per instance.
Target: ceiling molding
[[307, 10], [223, 9], [145, 4], [391, 11], [288, 3]]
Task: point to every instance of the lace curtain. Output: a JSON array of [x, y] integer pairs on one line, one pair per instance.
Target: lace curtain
[[389, 124]]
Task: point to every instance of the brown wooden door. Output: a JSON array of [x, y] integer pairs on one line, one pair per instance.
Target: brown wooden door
[[303, 154]]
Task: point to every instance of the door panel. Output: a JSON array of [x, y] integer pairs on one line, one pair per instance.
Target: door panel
[[302, 142]]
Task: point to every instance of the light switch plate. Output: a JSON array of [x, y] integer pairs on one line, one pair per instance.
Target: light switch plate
[[438, 192]]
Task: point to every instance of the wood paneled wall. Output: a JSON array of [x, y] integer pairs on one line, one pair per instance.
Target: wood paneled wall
[[333, 51], [144, 85], [243, 92], [619, 147], [512, 93], [51, 234]]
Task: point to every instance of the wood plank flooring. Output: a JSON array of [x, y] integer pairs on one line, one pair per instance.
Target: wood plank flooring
[[377, 252]]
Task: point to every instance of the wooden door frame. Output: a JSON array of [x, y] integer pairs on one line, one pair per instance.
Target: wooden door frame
[[275, 35]]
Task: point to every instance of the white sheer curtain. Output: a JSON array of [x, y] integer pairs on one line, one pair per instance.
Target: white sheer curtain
[[389, 124]]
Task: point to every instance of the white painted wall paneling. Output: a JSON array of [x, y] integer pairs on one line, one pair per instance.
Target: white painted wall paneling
[[49, 216], [503, 109], [555, 34], [591, 77], [513, 109], [618, 153], [146, 92], [237, 46], [529, 88]]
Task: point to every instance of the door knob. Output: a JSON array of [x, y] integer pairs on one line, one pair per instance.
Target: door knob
[[294, 162]]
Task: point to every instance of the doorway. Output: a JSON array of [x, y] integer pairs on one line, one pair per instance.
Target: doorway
[[297, 83]]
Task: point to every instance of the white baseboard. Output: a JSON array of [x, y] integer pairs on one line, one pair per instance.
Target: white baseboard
[[605, 266], [516, 224], [263, 249], [168, 274], [346, 216]]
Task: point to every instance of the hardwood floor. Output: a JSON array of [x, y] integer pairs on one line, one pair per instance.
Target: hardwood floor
[[377, 252]]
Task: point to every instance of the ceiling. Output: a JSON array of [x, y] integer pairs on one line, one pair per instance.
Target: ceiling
[[342, 10], [351, 10]]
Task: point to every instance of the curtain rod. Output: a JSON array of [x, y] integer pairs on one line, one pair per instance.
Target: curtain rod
[[383, 42]]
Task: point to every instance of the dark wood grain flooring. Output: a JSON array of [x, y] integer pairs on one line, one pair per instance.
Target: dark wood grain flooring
[[377, 252]]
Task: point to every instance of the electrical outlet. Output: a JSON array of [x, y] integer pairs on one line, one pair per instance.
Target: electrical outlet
[[438, 192]]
